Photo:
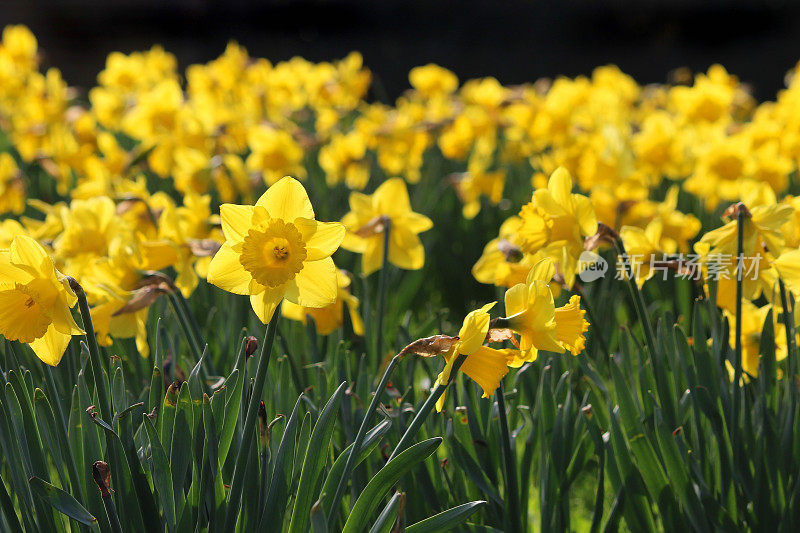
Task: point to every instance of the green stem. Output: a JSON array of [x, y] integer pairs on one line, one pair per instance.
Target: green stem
[[193, 326], [387, 231], [113, 443], [94, 353], [425, 410], [737, 364], [185, 327], [362, 431], [791, 361], [509, 465], [596, 330], [638, 299], [243, 452]]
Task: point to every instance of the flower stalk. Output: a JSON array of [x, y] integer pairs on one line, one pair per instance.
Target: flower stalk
[[425, 410], [362, 431], [237, 482], [382, 281], [636, 296], [509, 464]]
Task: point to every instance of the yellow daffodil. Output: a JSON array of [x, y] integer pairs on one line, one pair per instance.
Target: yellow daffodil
[[753, 319], [12, 189], [472, 185], [35, 300], [642, 247], [276, 249], [763, 241], [503, 263], [485, 366], [532, 314], [557, 221], [367, 221]]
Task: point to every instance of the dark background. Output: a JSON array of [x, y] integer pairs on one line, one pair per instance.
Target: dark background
[[513, 40]]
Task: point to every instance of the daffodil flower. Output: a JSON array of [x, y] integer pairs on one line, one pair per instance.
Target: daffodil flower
[[35, 300], [556, 221], [484, 365], [367, 220], [533, 315], [276, 249]]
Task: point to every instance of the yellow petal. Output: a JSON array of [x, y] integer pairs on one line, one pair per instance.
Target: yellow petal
[[372, 259], [293, 311], [354, 243], [50, 348], [321, 238], [544, 270], [63, 319], [226, 272], [788, 266], [560, 187], [391, 198], [265, 303], [158, 255], [584, 214], [315, 285], [25, 251], [236, 220], [474, 329], [405, 249], [10, 274], [417, 222], [487, 367], [360, 204], [287, 200], [516, 299]]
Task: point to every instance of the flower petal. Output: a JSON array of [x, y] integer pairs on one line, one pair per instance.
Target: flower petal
[[226, 272], [321, 238], [560, 186], [287, 200], [516, 298], [473, 331], [236, 220], [315, 285], [265, 303], [391, 198], [50, 348], [487, 367], [25, 251]]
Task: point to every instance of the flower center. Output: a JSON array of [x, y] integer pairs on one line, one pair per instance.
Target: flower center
[[273, 253]]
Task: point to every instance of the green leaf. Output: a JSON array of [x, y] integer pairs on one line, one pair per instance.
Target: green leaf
[[318, 522], [234, 384], [386, 477], [7, 505], [278, 492], [446, 520], [162, 474], [61, 501], [370, 443], [314, 462], [181, 448], [386, 520]]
